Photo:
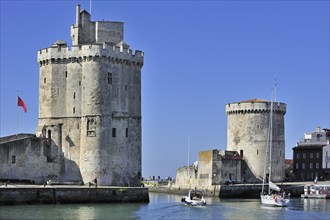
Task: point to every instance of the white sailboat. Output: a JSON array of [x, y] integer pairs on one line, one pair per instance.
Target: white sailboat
[[274, 197]]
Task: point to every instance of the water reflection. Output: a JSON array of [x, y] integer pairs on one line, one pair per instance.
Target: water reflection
[[315, 205], [163, 206], [70, 211]]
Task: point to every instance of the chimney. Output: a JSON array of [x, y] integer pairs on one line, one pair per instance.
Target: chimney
[[78, 15]]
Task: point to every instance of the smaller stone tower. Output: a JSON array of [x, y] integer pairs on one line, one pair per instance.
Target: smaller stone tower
[[248, 133]]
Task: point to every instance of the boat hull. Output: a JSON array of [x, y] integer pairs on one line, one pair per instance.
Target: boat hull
[[274, 200], [192, 202]]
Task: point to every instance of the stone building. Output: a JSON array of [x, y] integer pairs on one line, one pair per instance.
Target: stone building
[[248, 133], [90, 104], [247, 142], [311, 156], [213, 167]]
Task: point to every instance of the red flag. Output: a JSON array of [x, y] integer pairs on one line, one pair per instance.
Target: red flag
[[21, 103]]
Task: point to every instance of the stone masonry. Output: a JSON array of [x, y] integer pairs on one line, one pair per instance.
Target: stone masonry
[[248, 133], [90, 102]]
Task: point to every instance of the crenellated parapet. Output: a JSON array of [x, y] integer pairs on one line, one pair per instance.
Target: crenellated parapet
[[255, 108], [59, 54]]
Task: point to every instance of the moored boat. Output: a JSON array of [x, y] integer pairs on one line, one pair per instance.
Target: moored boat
[[275, 196], [316, 191], [194, 198], [275, 199]]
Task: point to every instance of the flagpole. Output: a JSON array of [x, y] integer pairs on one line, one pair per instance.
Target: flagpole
[[17, 118]]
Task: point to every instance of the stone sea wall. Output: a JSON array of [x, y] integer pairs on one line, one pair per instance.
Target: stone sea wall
[[53, 195]]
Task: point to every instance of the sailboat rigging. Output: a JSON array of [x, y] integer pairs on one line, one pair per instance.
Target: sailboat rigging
[[271, 198]]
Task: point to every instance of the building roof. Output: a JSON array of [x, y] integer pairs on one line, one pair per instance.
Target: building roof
[[254, 100], [59, 42], [309, 147]]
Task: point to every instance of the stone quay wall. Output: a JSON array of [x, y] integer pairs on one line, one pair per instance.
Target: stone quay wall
[[54, 195], [241, 191]]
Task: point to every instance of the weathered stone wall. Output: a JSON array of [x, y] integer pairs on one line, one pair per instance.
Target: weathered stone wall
[[205, 168], [54, 195], [26, 159], [213, 169], [186, 177], [248, 129], [90, 102]]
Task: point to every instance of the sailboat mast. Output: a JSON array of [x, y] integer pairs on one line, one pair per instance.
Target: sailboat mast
[[271, 139], [188, 160]]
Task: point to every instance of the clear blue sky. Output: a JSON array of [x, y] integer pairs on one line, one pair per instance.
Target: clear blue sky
[[199, 56]]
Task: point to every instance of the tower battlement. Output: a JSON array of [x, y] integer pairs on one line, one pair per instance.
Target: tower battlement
[[254, 107], [61, 53]]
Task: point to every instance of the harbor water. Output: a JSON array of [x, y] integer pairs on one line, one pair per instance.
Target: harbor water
[[164, 206]]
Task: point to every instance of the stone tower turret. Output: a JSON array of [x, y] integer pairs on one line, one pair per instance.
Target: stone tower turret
[[247, 132], [90, 103]]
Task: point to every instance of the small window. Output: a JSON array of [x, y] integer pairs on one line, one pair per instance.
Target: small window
[[126, 132], [311, 155], [297, 166], [126, 87], [66, 74], [74, 95], [257, 152], [13, 159], [298, 156], [310, 165], [304, 155], [113, 132], [74, 110], [317, 165], [79, 83], [109, 78], [317, 155], [303, 166], [45, 80]]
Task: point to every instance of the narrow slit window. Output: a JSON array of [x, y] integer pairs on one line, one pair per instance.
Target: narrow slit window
[[114, 132], [74, 110], [13, 159], [126, 132], [109, 78]]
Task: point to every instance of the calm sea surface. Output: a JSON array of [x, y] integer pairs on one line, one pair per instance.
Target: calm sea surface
[[163, 206]]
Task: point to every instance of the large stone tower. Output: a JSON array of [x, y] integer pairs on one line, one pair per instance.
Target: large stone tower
[[247, 132], [90, 103]]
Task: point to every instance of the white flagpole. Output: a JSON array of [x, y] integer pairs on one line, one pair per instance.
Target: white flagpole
[[17, 117]]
